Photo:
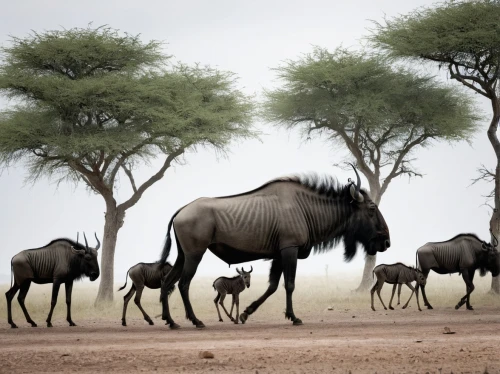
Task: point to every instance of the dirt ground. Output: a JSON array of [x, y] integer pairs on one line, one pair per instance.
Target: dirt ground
[[330, 341]]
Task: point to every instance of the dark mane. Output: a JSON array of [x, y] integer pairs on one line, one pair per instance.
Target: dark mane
[[230, 278], [322, 184], [69, 241], [474, 236]]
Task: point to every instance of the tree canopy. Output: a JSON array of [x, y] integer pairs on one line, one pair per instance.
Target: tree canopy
[[92, 103], [378, 112]]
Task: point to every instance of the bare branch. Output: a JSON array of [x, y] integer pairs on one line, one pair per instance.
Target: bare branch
[[155, 178], [130, 177]]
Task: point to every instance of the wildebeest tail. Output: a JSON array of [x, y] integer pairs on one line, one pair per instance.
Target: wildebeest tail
[[11, 274], [168, 242], [126, 280]]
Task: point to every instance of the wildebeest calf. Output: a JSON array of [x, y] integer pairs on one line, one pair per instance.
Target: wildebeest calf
[[144, 275], [233, 286], [60, 261], [397, 274]]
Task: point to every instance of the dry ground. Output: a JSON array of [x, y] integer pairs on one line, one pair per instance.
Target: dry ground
[[349, 338]]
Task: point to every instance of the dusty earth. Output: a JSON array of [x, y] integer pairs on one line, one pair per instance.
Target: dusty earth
[[330, 341]]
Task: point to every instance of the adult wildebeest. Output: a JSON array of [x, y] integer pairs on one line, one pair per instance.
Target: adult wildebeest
[[464, 254], [233, 286], [395, 274], [282, 220], [144, 275], [60, 261]]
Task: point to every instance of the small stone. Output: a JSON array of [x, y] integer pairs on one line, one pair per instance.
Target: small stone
[[353, 316], [206, 354], [330, 308]]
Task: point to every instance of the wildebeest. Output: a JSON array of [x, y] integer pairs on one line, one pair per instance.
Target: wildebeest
[[233, 286], [60, 261], [282, 220], [395, 274], [463, 254], [144, 275]]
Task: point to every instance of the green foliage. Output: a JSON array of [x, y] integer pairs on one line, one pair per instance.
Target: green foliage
[[462, 35], [378, 112], [92, 100]]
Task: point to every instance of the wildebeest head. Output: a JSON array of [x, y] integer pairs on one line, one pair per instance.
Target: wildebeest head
[[490, 260], [245, 275], [367, 225], [88, 264], [421, 279]]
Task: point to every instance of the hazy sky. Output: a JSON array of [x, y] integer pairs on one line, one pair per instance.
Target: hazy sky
[[247, 38]]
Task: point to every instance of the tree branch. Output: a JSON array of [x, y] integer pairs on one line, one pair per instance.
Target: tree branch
[[130, 177], [155, 178]]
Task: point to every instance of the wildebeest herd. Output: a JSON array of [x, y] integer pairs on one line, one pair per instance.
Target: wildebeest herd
[[282, 221]]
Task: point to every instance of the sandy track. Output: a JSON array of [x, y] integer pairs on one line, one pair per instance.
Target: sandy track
[[329, 341]]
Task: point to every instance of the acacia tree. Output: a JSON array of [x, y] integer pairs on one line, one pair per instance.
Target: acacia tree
[[464, 38], [93, 104], [380, 114]]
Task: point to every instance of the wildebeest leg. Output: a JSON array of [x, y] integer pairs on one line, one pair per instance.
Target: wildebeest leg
[[232, 307], [168, 281], [22, 295], [236, 300], [379, 288], [137, 301], [9, 295], [221, 302], [289, 260], [424, 296], [69, 288], [372, 292], [399, 292], [190, 265], [217, 307], [274, 280], [53, 301], [412, 291], [469, 288], [392, 296], [126, 299]]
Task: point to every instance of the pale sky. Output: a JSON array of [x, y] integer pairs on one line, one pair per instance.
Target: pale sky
[[247, 38]]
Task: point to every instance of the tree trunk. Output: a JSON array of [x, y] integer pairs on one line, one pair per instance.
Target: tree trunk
[[113, 222], [495, 218], [495, 228], [370, 261]]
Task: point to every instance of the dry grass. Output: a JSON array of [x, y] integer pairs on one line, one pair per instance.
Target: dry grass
[[311, 294]]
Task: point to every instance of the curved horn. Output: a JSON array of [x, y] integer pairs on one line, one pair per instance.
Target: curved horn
[[355, 190], [86, 243], [238, 270], [98, 242], [77, 234], [251, 268]]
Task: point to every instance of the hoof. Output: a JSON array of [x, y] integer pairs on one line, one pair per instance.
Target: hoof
[[470, 308], [200, 325], [220, 320], [419, 309], [404, 307], [429, 307], [373, 309], [174, 326], [457, 306], [49, 324], [13, 326], [33, 324], [243, 317], [297, 322], [391, 308], [124, 323], [235, 321], [150, 323], [385, 308], [72, 324]]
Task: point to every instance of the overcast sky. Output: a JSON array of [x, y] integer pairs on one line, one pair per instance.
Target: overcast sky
[[247, 38]]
